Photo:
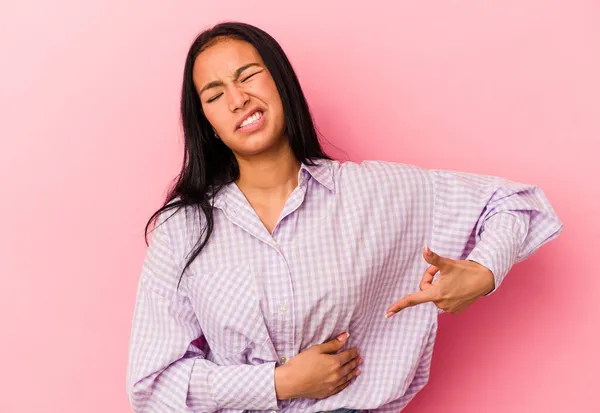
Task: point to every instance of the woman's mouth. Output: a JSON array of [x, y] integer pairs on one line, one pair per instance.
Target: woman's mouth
[[252, 123]]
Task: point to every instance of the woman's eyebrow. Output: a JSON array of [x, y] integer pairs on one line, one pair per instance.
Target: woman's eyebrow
[[236, 75]]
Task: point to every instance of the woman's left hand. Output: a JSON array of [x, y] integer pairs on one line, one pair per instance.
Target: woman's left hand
[[459, 284]]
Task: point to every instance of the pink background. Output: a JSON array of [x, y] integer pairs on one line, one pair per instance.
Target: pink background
[[89, 140]]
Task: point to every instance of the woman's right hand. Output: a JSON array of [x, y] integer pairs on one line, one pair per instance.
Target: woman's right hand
[[318, 372]]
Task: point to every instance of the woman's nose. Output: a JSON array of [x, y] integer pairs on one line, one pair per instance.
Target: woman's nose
[[237, 97]]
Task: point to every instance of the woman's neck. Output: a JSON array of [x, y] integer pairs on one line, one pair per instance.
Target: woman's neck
[[269, 176]]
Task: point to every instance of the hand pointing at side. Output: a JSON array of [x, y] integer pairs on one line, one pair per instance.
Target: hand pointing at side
[[459, 284]]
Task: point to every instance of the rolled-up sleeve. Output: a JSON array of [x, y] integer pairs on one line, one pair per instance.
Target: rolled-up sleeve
[[167, 368], [490, 220]]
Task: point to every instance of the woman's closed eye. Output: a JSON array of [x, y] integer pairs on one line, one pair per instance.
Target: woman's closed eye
[[248, 77], [212, 99]]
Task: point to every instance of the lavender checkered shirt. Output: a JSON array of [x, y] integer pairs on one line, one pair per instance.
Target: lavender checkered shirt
[[347, 245]]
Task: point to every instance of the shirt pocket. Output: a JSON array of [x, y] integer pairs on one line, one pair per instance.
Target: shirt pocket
[[228, 309]]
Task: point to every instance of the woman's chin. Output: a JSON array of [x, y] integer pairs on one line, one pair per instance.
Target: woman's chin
[[259, 146]]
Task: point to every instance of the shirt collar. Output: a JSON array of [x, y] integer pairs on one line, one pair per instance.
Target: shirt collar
[[322, 172]]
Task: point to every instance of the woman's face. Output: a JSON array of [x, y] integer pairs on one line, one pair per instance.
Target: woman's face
[[239, 97]]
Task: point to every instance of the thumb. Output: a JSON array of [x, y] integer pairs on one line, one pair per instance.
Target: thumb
[[334, 345], [434, 259]]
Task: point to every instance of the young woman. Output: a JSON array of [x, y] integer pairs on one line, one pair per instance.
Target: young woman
[[268, 281]]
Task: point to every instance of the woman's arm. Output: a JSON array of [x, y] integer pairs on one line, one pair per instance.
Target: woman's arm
[[166, 371], [489, 220], [480, 227]]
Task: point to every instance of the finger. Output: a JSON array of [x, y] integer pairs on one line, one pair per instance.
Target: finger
[[349, 376], [332, 346], [340, 388], [347, 356], [349, 367], [432, 258], [427, 280], [432, 270], [412, 300]]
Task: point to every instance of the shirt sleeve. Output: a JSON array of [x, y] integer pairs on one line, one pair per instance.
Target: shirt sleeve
[[167, 367], [490, 220]]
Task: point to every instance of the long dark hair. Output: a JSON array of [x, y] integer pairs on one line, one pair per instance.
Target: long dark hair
[[208, 163]]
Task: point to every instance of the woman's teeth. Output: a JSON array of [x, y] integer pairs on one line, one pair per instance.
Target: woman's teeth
[[251, 119]]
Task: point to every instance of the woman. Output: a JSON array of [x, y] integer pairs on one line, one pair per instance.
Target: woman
[[268, 281]]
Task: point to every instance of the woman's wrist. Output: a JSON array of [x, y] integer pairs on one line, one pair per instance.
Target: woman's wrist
[[282, 386]]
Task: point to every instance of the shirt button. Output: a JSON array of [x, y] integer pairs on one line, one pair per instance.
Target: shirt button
[[282, 309], [283, 359]]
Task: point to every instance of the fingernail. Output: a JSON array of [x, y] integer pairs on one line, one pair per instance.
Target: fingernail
[[388, 315], [360, 360], [357, 372], [427, 250], [343, 337]]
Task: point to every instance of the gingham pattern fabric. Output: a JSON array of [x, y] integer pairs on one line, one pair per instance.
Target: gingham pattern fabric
[[347, 245]]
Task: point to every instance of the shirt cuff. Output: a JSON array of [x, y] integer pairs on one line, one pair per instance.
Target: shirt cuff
[[499, 245], [247, 387]]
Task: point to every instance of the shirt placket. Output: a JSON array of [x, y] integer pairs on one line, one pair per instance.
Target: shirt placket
[[278, 276], [284, 309]]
